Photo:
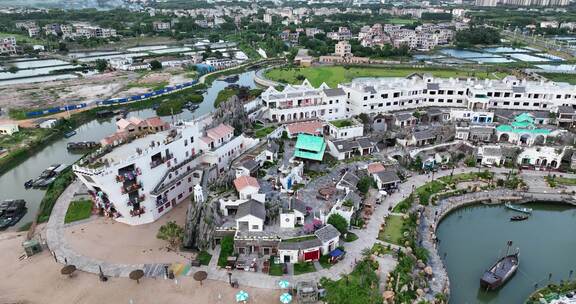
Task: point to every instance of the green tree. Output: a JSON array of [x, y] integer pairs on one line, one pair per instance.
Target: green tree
[[12, 69], [101, 65], [62, 47], [364, 184], [172, 233], [339, 222], [155, 65]]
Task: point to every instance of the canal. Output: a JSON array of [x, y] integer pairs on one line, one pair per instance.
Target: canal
[[474, 237], [12, 182]]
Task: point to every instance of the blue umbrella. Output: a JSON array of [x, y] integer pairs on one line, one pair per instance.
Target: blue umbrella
[[241, 296], [285, 298], [283, 284]]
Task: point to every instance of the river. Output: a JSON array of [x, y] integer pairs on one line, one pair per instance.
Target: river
[[473, 238], [12, 182]]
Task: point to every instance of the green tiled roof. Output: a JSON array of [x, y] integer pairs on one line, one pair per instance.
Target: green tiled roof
[[508, 128], [310, 147]]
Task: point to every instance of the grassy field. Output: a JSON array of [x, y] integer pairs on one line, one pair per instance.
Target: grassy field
[[392, 233], [333, 75], [400, 21], [22, 39], [559, 77], [78, 210], [303, 267], [204, 257]]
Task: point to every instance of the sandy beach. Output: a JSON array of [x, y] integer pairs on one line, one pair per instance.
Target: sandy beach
[[38, 280], [105, 239]]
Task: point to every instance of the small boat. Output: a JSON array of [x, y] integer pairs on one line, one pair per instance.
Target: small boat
[[69, 134], [82, 145], [193, 107], [501, 271], [518, 208], [232, 79], [11, 212], [29, 184], [48, 176], [518, 218]]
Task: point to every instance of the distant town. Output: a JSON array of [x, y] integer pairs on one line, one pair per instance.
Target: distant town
[[288, 151]]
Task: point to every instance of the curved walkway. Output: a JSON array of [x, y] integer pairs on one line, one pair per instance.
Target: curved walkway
[[367, 237]]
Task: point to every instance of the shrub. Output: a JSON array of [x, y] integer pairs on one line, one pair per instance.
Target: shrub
[[339, 222]]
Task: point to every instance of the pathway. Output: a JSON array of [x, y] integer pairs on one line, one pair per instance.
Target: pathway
[[367, 237]]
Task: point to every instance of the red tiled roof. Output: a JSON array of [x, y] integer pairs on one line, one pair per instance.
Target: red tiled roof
[[222, 130], [155, 122], [307, 127], [375, 168], [245, 181]]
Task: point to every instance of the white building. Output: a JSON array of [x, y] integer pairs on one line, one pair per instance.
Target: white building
[[246, 186], [490, 155], [542, 157], [345, 129], [8, 129], [304, 102], [138, 181], [220, 146], [250, 216], [382, 95]]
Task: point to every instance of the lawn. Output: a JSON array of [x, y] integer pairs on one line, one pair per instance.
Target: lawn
[[426, 191], [275, 269], [303, 267], [23, 39], [350, 237], [561, 180], [400, 21], [226, 250], [358, 287], [342, 123], [334, 75], [263, 132], [560, 77], [204, 257], [325, 261], [392, 232], [78, 210]]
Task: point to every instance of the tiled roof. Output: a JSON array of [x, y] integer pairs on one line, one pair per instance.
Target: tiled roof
[[244, 181], [222, 130], [327, 233], [375, 168], [253, 208], [307, 127]]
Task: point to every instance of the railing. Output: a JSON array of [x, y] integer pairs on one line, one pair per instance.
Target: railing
[[154, 164], [131, 175], [130, 188], [137, 212]]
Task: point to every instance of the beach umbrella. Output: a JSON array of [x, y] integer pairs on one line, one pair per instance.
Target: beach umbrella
[[283, 284], [200, 276], [136, 275], [241, 296], [68, 270], [286, 298]]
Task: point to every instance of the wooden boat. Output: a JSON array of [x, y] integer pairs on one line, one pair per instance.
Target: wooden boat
[[11, 212], [48, 176], [28, 184], [518, 218], [82, 145], [69, 134], [518, 208], [501, 271]]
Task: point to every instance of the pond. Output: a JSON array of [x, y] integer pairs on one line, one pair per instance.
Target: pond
[[526, 57], [467, 53], [474, 237], [492, 60], [504, 49], [560, 67], [12, 182]]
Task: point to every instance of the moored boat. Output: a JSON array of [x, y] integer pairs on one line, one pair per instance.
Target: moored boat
[[69, 134], [48, 176], [11, 212], [518, 208], [82, 145], [518, 218], [501, 271]]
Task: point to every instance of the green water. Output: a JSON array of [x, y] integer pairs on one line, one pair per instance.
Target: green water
[[474, 237]]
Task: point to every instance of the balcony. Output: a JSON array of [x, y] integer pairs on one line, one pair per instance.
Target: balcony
[[130, 188], [158, 162], [128, 176], [138, 211]]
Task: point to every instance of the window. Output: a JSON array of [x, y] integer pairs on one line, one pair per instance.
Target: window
[[525, 104], [384, 95], [388, 104], [178, 183], [380, 105], [536, 96], [441, 92], [517, 95], [432, 92], [449, 100], [506, 103], [191, 139], [189, 189], [496, 94], [180, 196], [255, 227], [450, 92], [516, 103], [396, 94], [365, 97], [459, 101], [495, 104], [395, 103], [460, 92], [536, 104], [441, 100], [371, 96], [189, 179], [507, 94]]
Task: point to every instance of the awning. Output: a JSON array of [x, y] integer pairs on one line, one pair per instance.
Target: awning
[[336, 253]]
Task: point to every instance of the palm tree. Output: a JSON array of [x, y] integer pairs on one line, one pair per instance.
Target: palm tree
[[172, 233]]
